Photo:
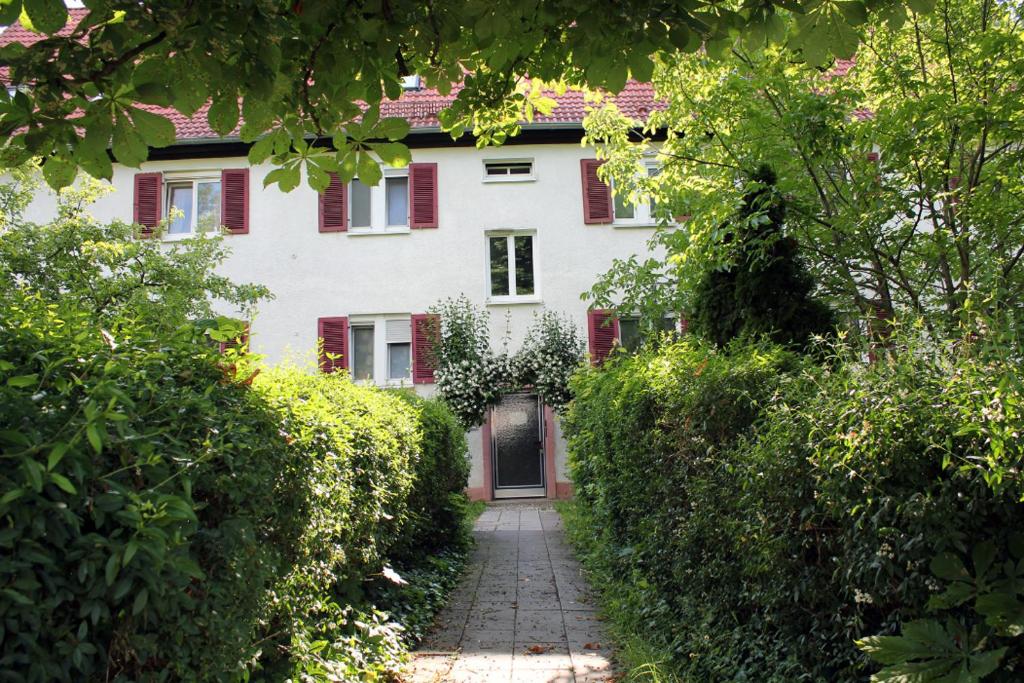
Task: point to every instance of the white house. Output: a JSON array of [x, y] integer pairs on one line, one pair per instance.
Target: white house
[[516, 228]]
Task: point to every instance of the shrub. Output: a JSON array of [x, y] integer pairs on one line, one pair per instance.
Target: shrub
[[760, 513], [436, 503], [168, 511]]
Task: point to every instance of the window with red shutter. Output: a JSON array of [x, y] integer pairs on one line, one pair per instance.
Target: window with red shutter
[[234, 202], [334, 335], [603, 329], [334, 206], [149, 188], [426, 332], [597, 196], [423, 195]]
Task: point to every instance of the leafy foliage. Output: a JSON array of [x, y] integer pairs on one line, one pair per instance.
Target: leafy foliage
[[901, 172], [762, 513], [767, 290], [471, 376], [281, 75], [174, 512]]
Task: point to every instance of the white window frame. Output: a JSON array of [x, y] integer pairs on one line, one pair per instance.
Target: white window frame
[[378, 207], [194, 177], [380, 348], [510, 178], [641, 211], [512, 297]]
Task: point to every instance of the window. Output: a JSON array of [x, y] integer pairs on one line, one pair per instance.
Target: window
[[508, 170], [381, 349], [193, 205], [384, 208], [398, 336], [511, 263], [362, 352], [632, 336], [643, 213]]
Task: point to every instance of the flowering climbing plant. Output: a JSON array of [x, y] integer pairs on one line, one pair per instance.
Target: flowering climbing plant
[[471, 376]]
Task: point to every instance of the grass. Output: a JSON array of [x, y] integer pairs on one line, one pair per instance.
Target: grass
[[621, 602]]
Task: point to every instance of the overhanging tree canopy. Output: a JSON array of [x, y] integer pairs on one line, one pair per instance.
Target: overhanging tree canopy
[[292, 70]]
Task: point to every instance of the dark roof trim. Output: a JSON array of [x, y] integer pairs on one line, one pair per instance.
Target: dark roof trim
[[415, 140]]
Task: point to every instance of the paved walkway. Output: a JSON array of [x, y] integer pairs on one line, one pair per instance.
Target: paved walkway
[[523, 612]]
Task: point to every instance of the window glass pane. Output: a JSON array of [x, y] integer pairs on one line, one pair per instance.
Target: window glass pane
[[181, 199], [622, 209], [524, 264], [209, 206], [360, 200], [398, 361], [629, 333], [362, 352], [520, 169], [397, 198], [499, 266]]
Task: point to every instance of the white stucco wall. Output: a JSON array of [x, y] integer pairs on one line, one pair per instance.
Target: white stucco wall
[[313, 274]]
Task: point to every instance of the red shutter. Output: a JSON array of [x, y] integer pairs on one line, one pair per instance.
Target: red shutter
[[603, 328], [426, 331], [149, 188], [334, 333], [684, 324], [422, 195], [234, 200], [334, 206], [597, 196]]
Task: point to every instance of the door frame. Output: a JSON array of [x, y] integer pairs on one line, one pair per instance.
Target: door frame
[[546, 457]]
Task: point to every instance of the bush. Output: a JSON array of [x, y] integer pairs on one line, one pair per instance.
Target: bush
[[171, 512], [758, 513], [437, 502]]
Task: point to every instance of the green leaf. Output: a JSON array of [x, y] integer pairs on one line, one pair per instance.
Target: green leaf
[[286, 177], [11, 496], [854, 12], [128, 146], [392, 153], [641, 66], [368, 169], [156, 130], [921, 6], [948, 566], [48, 16], [129, 552], [223, 113], [34, 471], [261, 150], [392, 128], [16, 596], [9, 11], [63, 483], [92, 432], [140, 601], [59, 172], [23, 380], [982, 556], [110, 572]]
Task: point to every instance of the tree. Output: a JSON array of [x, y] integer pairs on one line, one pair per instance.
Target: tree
[[767, 290], [902, 172], [303, 70]]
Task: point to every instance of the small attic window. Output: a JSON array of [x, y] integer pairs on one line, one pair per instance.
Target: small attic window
[[413, 82], [508, 170]]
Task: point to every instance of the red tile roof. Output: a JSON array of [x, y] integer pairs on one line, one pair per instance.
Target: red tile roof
[[419, 107]]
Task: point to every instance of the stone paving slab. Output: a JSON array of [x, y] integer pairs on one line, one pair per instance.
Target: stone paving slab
[[522, 613]]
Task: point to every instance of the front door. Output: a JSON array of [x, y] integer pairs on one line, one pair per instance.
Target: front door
[[517, 446]]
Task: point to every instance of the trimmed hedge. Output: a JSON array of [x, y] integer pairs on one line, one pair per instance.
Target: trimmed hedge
[[161, 519], [749, 515]]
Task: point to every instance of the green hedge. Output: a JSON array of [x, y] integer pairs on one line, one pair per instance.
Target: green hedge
[[750, 515], [161, 519]]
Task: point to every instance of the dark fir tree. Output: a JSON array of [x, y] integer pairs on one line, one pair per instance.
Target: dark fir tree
[[767, 290]]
